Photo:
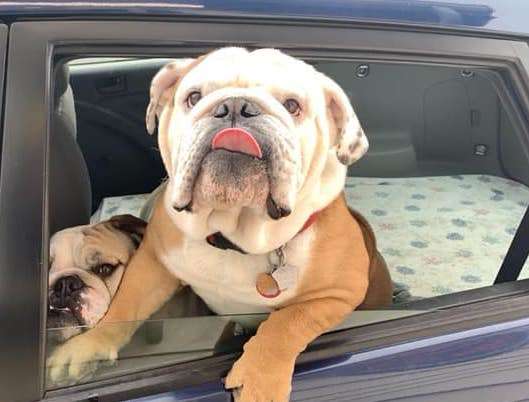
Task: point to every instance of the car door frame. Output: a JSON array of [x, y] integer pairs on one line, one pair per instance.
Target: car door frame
[[20, 243], [24, 197]]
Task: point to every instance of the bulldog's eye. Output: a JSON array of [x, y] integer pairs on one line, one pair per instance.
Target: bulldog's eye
[[104, 270], [193, 98], [292, 106]]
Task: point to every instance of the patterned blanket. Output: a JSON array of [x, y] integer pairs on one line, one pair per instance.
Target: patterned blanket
[[439, 235]]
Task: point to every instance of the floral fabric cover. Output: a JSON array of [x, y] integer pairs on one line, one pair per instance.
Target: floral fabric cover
[[439, 235], [126, 204]]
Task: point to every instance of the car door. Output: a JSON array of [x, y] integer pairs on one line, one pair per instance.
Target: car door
[[438, 346], [17, 246]]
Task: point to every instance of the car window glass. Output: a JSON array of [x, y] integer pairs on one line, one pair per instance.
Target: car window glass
[[444, 187], [169, 341]]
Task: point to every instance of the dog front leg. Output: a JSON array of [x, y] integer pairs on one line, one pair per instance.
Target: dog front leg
[[264, 371], [145, 287]]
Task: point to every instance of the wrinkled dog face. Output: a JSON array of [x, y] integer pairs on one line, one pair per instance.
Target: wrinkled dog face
[[87, 263], [249, 129]]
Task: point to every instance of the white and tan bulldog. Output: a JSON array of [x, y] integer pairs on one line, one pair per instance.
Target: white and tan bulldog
[[86, 266], [253, 216]]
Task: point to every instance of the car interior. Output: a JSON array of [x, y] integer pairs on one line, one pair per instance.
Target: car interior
[[444, 184]]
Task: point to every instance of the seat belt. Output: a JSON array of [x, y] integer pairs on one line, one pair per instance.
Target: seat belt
[[517, 254]]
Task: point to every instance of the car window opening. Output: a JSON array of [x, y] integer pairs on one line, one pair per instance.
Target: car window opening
[[444, 187]]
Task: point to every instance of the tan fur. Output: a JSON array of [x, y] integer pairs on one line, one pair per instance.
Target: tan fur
[[104, 242], [335, 284], [107, 243]]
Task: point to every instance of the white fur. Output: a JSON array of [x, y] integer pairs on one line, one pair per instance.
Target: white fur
[[226, 280], [247, 228], [64, 247]]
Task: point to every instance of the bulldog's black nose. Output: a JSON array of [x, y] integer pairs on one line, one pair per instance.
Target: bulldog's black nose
[[64, 289], [234, 108]]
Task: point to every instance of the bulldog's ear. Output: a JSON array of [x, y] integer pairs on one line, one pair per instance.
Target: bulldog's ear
[[349, 137], [162, 89], [131, 225]]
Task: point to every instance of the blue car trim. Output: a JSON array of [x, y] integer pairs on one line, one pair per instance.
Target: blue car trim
[[507, 16], [475, 345], [427, 346]]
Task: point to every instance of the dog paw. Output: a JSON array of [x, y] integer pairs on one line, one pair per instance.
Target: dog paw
[[79, 358], [257, 377]]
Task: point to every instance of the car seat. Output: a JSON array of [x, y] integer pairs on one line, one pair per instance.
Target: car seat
[[68, 180]]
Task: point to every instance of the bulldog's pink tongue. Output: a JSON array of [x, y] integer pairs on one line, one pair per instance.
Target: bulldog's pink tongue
[[236, 140]]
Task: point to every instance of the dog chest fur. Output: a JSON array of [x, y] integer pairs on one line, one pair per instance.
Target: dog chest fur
[[226, 279]]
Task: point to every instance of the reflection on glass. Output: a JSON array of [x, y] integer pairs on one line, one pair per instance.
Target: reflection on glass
[[160, 343]]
